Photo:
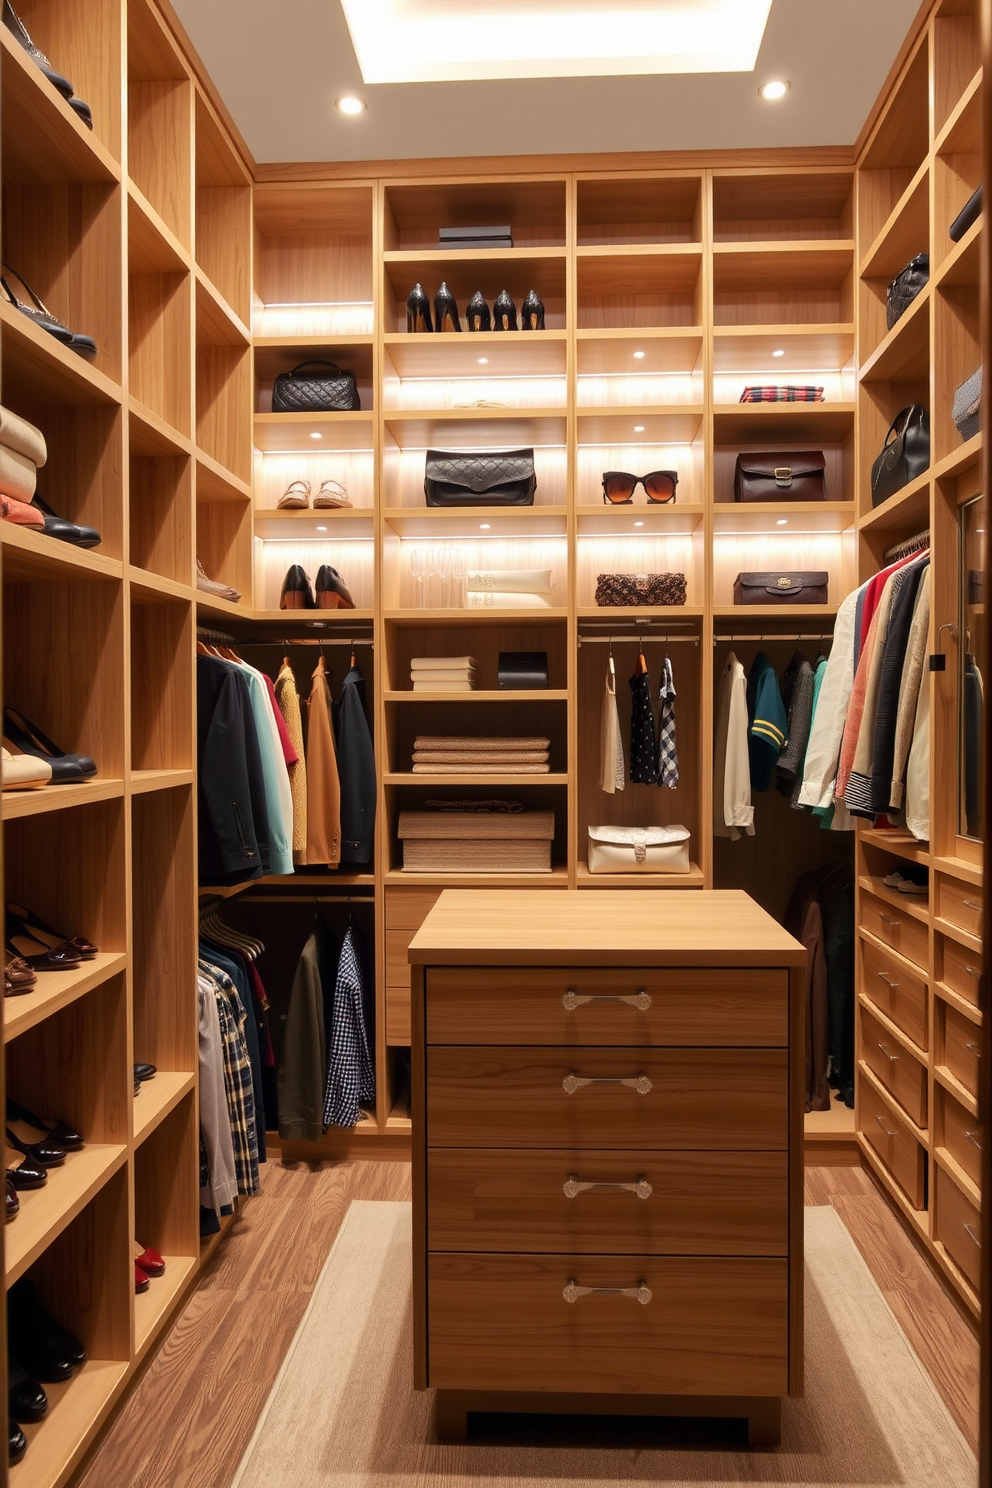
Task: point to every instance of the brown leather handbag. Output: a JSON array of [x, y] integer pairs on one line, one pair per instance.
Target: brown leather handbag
[[640, 589], [782, 475], [781, 588]]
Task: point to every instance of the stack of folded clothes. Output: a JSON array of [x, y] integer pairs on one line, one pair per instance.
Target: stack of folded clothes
[[474, 840], [443, 673], [23, 451], [445, 754], [791, 393], [508, 588]]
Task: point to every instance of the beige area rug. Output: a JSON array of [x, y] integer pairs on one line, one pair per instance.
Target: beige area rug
[[343, 1414]]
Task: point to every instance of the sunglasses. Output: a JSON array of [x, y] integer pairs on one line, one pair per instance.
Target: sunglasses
[[619, 487]]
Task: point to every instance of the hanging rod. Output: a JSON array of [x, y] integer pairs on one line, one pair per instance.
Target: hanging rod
[[824, 637], [645, 640], [306, 641], [305, 899], [908, 545]]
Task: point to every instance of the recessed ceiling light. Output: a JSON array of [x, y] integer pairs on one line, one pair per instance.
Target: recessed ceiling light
[[779, 352], [639, 356], [772, 91], [484, 526], [350, 104], [316, 436], [638, 428], [781, 522], [483, 361], [638, 524], [454, 41], [321, 529]]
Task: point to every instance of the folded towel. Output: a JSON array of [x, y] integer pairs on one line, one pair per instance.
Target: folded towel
[[479, 756], [434, 663], [510, 580], [482, 768], [444, 675], [491, 600], [459, 686], [474, 742], [18, 475], [23, 438]]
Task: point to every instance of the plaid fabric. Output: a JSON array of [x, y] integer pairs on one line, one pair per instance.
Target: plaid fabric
[[668, 758], [237, 1077], [350, 1064], [790, 394]]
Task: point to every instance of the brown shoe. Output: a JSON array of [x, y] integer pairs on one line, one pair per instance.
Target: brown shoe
[[17, 977], [331, 591]]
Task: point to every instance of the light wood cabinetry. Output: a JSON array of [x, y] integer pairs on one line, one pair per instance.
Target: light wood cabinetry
[[621, 1216], [920, 958]]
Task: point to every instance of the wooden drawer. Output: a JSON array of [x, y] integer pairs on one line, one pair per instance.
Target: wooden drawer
[[960, 969], [900, 993], [407, 909], [904, 1077], [961, 904], [507, 1005], [962, 1048], [898, 1148], [961, 1134], [700, 1203], [698, 1098], [711, 1327], [896, 929], [957, 1225]]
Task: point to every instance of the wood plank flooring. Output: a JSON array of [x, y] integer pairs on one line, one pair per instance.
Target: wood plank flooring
[[193, 1411]]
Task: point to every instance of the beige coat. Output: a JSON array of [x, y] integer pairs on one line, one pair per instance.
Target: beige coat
[[323, 786]]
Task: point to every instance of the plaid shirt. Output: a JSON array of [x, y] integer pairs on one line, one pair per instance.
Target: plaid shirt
[[790, 394], [237, 1077], [350, 1064]]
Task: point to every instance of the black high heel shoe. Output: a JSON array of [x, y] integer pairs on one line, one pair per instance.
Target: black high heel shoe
[[296, 592], [418, 310], [445, 308], [504, 313], [532, 312], [39, 312], [477, 313], [30, 740]]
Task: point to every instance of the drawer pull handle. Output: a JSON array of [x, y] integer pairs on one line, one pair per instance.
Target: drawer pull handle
[[640, 999], [970, 904], [640, 1293], [572, 1187], [885, 918], [574, 1082], [969, 1230], [973, 1139], [881, 1122], [887, 980], [974, 1048], [888, 1054], [972, 970]]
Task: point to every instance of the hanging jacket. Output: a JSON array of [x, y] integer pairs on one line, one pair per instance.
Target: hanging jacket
[[351, 1060], [303, 1066], [323, 784], [288, 700], [356, 770], [913, 678], [798, 699], [611, 764], [643, 740], [827, 729], [887, 706], [278, 796], [732, 809], [767, 722], [233, 821]]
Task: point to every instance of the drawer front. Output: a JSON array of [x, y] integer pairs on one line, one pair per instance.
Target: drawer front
[[961, 969], [904, 1077], [962, 1048], [895, 928], [898, 1148], [957, 1225], [684, 1203], [899, 993], [407, 909], [550, 1005], [711, 1327], [961, 904], [961, 1135], [698, 1098]]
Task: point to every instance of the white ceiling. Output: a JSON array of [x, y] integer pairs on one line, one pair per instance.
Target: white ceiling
[[280, 64]]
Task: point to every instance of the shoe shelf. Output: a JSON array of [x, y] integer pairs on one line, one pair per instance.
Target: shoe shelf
[[31, 555], [159, 122], [56, 990], [342, 620], [459, 357], [142, 782], [44, 371], [16, 805], [971, 943], [216, 323], [290, 433], [151, 1308], [223, 212], [42, 136], [905, 232], [963, 263], [159, 330], [46, 1212], [953, 1085], [152, 247], [914, 906], [56, 1444], [147, 587]]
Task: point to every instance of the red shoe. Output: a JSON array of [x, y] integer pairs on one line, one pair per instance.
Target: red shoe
[[141, 1282], [149, 1260]]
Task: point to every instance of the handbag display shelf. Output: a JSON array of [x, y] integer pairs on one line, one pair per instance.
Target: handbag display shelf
[[904, 288], [639, 849], [476, 842], [781, 475], [905, 454], [315, 387], [796, 588]]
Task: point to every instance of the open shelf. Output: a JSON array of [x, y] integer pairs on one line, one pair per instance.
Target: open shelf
[[50, 141], [694, 879], [45, 1212], [56, 990]]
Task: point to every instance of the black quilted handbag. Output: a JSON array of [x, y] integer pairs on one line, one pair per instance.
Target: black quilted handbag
[[315, 387], [496, 478], [905, 453], [905, 287]]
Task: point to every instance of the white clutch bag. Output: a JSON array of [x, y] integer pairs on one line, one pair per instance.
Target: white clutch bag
[[639, 849]]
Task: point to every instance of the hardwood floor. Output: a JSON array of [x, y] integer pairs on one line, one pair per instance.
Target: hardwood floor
[[193, 1411]]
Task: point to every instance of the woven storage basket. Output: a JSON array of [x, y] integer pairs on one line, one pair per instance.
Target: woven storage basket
[[456, 842]]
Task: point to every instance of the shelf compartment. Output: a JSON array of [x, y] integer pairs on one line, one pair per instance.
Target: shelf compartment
[[627, 613], [313, 259], [782, 205], [159, 331], [639, 289], [75, 1412], [965, 457], [957, 168], [507, 695], [152, 1308], [43, 138], [769, 516], [904, 352], [897, 148], [517, 270], [679, 519], [223, 405], [449, 355], [151, 435], [152, 247], [534, 211], [45, 372], [907, 511], [354, 558], [632, 211], [957, 54], [160, 496], [774, 621], [536, 715], [475, 428], [958, 354], [905, 232], [314, 526], [775, 423], [159, 120], [162, 686], [754, 349], [694, 879], [32, 555], [164, 979], [289, 433], [645, 352], [557, 878], [216, 322], [16, 805], [403, 473], [166, 1208], [280, 354], [56, 990], [894, 840], [783, 283], [465, 522], [417, 636], [674, 425], [638, 553], [963, 263], [143, 781], [500, 549], [45, 1212], [223, 212]]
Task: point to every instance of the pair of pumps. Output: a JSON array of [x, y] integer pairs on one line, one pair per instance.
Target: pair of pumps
[[503, 317]]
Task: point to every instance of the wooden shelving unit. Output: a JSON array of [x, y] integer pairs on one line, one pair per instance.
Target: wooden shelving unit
[[916, 172]]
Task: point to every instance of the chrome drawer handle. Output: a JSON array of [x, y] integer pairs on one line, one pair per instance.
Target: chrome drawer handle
[[969, 1230], [894, 923], [974, 1048], [640, 999], [972, 970], [881, 1122], [970, 904], [889, 1056], [973, 1139], [574, 1082], [572, 1187], [887, 980], [640, 1293]]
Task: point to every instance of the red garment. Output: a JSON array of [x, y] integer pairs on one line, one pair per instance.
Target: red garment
[[289, 753], [873, 593], [261, 997]]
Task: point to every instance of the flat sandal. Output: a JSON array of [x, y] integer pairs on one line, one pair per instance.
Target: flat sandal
[[296, 496]]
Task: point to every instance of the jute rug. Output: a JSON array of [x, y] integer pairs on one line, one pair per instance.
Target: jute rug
[[343, 1414]]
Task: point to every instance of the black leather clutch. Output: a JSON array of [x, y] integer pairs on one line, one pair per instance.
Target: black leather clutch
[[522, 670], [494, 478]]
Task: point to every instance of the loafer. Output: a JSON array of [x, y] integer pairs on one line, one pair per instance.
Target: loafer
[[296, 592], [17, 1442], [25, 1174], [13, 1202], [207, 585], [331, 496], [141, 1282], [47, 1351], [26, 1400], [149, 1261], [144, 1071], [17, 977], [38, 957], [45, 1154], [296, 496], [331, 591], [62, 529], [60, 1132]]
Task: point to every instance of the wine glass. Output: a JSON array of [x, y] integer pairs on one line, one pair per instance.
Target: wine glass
[[457, 569], [419, 568]]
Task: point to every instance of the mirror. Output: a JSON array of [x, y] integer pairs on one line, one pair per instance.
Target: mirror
[[971, 691]]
